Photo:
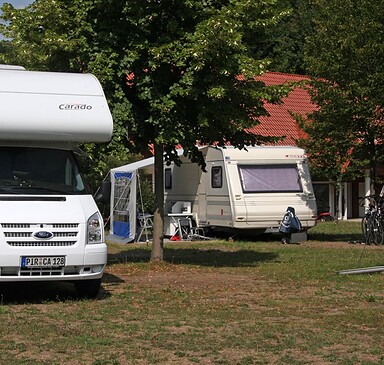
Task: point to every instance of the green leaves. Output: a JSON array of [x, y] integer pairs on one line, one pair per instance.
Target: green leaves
[[185, 86], [184, 58], [176, 72], [345, 54], [38, 35]]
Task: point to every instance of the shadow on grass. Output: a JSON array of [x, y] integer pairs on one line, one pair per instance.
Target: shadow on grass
[[193, 256], [341, 237], [342, 231], [19, 293]]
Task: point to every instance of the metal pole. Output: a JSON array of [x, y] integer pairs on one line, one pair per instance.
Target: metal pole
[[363, 270]]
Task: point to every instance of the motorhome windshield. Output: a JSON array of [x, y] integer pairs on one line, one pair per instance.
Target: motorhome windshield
[[270, 178], [27, 170]]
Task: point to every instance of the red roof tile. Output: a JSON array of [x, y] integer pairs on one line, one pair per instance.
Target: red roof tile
[[280, 121]]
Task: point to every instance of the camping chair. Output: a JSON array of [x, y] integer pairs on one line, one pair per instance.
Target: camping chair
[[184, 228], [146, 224], [198, 233], [188, 231]]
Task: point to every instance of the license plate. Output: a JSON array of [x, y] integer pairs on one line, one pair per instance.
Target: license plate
[[42, 261]]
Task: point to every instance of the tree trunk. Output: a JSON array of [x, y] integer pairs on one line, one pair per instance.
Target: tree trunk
[[158, 217]]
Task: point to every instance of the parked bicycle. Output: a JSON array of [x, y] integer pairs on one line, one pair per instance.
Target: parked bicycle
[[372, 224]]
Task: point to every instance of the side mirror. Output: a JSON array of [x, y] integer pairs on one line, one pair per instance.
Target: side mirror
[[104, 193]]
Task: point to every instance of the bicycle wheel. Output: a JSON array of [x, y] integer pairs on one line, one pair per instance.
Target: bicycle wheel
[[374, 230], [365, 229], [378, 230], [371, 231]]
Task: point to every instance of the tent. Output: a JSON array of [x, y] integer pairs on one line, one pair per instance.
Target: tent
[[123, 215]]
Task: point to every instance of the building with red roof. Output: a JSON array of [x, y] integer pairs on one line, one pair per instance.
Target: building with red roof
[[280, 121]]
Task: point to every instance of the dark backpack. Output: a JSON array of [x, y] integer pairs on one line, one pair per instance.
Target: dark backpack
[[290, 222]]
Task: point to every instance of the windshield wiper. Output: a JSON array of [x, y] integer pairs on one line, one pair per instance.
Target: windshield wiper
[[36, 189], [8, 186]]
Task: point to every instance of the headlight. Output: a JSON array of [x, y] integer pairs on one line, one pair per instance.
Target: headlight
[[95, 229]]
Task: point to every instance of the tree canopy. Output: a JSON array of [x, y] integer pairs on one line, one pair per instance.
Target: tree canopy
[[345, 58], [179, 63], [176, 72], [169, 68]]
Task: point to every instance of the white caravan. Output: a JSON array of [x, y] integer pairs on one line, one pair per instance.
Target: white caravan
[[50, 226], [244, 191]]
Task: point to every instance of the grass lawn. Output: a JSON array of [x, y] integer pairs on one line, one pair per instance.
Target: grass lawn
[[212, 302]]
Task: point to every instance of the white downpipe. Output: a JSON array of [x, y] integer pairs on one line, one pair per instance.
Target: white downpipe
[[367, 189], [345, 195], [331, 197], [339, 203]]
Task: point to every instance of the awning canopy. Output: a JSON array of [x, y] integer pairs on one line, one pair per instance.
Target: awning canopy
[[123, 215]]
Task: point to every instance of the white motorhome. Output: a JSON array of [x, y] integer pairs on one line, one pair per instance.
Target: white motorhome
[[50, 226], [245, 191]]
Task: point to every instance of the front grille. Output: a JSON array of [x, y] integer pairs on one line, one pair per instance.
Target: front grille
[[29, 234], [70, 270], [65, 225], [15, 225], [23, 234], [65, 234], [16, 271], [17, 234], [41, 243]]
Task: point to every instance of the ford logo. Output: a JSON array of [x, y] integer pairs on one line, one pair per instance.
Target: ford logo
[[43, 235]]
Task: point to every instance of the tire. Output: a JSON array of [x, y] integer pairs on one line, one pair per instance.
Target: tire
[[381, 232], [364, 228], [367, 227], [378, 235], [370, 231], [88, 288]]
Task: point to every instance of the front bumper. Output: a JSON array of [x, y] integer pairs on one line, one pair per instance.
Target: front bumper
[[87, 266]]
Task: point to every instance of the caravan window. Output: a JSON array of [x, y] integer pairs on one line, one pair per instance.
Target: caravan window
[[168, 179], [217, 177], [270, 178]]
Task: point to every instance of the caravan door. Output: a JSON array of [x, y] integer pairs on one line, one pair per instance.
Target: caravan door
[[218, 202], [202, 199]]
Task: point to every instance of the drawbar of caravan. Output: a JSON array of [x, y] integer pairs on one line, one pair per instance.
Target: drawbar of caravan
[[245, 190]]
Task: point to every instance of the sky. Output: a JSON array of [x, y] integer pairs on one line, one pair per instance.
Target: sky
[[17, 3]]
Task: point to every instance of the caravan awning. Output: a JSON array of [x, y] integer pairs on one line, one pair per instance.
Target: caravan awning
[[123, 200]]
